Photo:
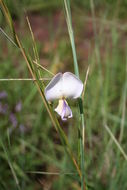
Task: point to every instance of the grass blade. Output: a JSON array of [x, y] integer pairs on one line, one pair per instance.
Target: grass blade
[[8, 38], [81, 128], [71, 35], [10, 165], [116, 142]]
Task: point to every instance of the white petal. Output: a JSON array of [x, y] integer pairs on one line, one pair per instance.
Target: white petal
[[59, 108], [54, 89], [72, 86], [65, 85]]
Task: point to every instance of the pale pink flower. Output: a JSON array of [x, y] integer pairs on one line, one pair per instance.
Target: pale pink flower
[[61, 87]]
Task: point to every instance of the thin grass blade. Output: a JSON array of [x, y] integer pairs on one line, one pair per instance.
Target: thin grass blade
[[81, 128]]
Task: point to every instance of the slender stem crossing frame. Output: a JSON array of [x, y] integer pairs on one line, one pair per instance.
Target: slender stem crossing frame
[[80, 102]]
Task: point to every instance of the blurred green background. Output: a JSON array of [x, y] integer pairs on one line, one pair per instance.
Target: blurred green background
[[28, 140]]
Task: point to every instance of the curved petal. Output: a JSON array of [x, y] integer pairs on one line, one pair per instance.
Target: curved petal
[[72, 86], [54, 88], [64, 110]]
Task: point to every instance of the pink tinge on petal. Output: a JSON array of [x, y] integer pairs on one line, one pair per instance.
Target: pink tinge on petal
[[64, 110]]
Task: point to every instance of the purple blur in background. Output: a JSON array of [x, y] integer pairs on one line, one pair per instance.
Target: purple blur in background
[[18, 107], [3, 95], [13, 120], [3, 108]]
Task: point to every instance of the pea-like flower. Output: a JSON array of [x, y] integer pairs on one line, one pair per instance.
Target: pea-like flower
[[61, 87]]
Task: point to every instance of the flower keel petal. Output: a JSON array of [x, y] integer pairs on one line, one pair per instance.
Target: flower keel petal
[[64, 110]]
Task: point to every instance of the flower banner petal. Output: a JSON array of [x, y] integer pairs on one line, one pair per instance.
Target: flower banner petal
[[72, 86], [54, 89]]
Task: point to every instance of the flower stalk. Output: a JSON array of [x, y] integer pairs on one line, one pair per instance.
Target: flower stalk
[[80, 102]]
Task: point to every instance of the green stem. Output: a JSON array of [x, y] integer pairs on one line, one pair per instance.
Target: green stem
[[71, 35], [82, 129], [82, 126]]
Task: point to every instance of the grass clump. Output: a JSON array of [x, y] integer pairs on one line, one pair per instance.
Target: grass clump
[[31, 151]]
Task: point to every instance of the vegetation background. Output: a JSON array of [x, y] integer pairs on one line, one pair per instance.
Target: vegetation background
[[28, 142]]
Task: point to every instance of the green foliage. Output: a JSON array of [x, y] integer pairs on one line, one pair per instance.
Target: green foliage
[[33, 145]]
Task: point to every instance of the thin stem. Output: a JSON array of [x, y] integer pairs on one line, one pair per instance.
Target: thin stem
[[97, 51], [10, 165], [8, 38], [83, 94], [33, 40], [76, 69], [85, 82], [25, 79], [52, 173], [43, 68], [116, 142], [124, 108], [71, 35]]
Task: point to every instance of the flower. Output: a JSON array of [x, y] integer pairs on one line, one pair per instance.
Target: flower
[[63, 86]]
